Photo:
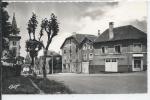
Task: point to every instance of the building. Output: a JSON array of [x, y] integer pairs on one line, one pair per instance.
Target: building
[[77, 53], [120, 49], [12, 54], [14, 39], [53, 62]]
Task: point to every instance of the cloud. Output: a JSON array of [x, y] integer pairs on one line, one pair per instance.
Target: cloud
[[99, 10], [122, 14], [83, 17], [140, 24]]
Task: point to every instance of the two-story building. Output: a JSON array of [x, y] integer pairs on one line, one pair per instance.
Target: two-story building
[[120, 49], [77, 53]]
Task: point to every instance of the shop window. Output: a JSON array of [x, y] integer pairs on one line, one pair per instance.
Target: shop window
[[137, 62]]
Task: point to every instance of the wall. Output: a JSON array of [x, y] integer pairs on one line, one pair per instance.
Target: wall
[[71, 58], [124, 59]]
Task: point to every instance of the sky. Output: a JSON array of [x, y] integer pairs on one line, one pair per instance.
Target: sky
[[79, 17]]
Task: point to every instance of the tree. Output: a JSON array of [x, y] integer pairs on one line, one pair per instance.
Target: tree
[[6, 25], [32, 45], [51, 27], [32, 25]]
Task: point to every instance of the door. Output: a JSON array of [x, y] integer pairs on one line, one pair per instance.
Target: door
[[85, 67], [111, 65], [137, 64]]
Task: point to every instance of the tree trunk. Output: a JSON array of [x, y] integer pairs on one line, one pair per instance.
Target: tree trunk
[[44, 63], [32, 64]]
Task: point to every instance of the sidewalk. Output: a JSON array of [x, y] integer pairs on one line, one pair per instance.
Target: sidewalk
[[99, 74]]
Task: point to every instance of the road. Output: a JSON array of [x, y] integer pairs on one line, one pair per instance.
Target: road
[[113, 83]]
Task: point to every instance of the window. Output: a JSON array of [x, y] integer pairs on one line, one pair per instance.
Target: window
[[104, 50], [64, 51], [14, 51], [64, 65], [137, 62], [91, 56], [84, 56], [114, 60], [76, 49], [91, 47], [14, 43], [137, 47], [107, 60], [117, 49], [84, 46]]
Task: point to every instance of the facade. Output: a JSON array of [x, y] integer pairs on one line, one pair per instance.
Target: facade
[[120, 49], [77, 52]]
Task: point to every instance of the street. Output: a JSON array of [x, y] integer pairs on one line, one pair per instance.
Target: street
[[111, 83]]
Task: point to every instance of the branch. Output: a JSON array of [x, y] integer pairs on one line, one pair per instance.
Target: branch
[[49, 41]]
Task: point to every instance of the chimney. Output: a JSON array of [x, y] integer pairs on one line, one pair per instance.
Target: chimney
[[99, 33], [111, 33]]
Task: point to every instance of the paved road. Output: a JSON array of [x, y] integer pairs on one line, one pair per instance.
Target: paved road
[[104, 83]]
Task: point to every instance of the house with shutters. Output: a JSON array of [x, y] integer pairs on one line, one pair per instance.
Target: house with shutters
[[77, 53], [120, 49]]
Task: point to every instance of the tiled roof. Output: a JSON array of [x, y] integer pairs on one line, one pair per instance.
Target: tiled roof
[[80, 37], [122, 33]]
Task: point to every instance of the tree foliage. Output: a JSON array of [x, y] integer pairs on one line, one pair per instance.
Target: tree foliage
[[51, 27], [32, 25], [6, 25], [32, 45]]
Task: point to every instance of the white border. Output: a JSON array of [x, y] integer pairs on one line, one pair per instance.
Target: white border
[[145, 96]]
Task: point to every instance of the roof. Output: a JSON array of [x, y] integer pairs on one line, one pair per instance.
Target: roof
[[52, 53], [122, 33], [80, 37]]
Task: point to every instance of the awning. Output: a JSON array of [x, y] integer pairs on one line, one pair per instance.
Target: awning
[[138, 55]]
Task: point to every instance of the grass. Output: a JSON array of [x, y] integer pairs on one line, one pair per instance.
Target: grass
[[51, 86], [25, 86]]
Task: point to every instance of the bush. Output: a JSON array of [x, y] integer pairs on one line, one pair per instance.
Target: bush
[[8, 71]]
